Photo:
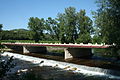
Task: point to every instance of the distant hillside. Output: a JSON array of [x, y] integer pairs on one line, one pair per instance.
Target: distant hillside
[[16, 34], [19, 30]]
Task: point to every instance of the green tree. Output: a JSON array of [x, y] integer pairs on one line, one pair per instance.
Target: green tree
[[0, 35], [108, 20], [5, 66], [84, 27], [67, 23], [74, 26], [1, 26], [52, 28], [16, 34], [61, 20], [37, 26]]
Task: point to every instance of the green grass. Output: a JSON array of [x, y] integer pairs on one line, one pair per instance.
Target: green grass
[[49, 41], [13, 41], [28, 41], [57, 51]]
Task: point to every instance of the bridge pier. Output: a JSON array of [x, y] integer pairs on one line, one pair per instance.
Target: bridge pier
[[77, 53], [34, 49]]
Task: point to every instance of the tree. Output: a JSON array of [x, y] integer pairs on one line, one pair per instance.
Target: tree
[[5, 66], [84, 27], [74, 26], [1, 31], [1, 27], [108, 20], [16, 34], [37, 26], [67, 23], [61, 20], [52, 28]]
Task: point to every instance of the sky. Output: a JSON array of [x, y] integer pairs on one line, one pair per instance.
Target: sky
[[15, 14]]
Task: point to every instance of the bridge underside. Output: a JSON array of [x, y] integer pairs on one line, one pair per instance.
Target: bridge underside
[[78, 53], [69, 52], [15, 48], [34, 49], [27, 49]]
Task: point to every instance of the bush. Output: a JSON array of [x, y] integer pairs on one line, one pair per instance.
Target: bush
[[5, 66], [32, 76]]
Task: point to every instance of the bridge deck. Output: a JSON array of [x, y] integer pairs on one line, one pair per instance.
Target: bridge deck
[[60, 45]]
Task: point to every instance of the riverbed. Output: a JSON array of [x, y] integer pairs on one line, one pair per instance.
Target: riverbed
[[57, 70]]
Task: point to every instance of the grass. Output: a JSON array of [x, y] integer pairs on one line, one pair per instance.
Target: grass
[[28, 41], [58, 51]]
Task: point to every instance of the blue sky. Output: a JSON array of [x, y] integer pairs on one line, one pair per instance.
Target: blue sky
[[14, 14]]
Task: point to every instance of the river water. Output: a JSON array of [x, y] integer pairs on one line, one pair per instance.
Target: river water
[[54, 66], [92, 62]]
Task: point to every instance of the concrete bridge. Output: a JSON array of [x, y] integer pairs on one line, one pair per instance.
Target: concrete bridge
[[71, 50]]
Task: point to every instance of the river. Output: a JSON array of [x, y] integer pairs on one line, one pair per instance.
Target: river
[[57, 68]]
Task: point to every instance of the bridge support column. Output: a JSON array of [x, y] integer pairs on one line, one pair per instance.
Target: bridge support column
[[34, 49], [77, 53]]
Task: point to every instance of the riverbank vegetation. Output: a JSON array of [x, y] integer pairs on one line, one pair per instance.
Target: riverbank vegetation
[[73, 26]]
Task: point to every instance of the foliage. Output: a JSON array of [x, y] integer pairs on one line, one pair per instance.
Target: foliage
[[96, 39], [67, 22], [107, 20], [5, 66], [52, 28], [1, 30], [84, 27], [84, 38], [74, 25], [32, 76], [17, 34], [36, 25], [1, 27], [96, 35], [28, 41], [0, 36], [1, 47]]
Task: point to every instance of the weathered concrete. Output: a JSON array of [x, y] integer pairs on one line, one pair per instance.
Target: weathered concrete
[[34, 49], [77, 53]]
